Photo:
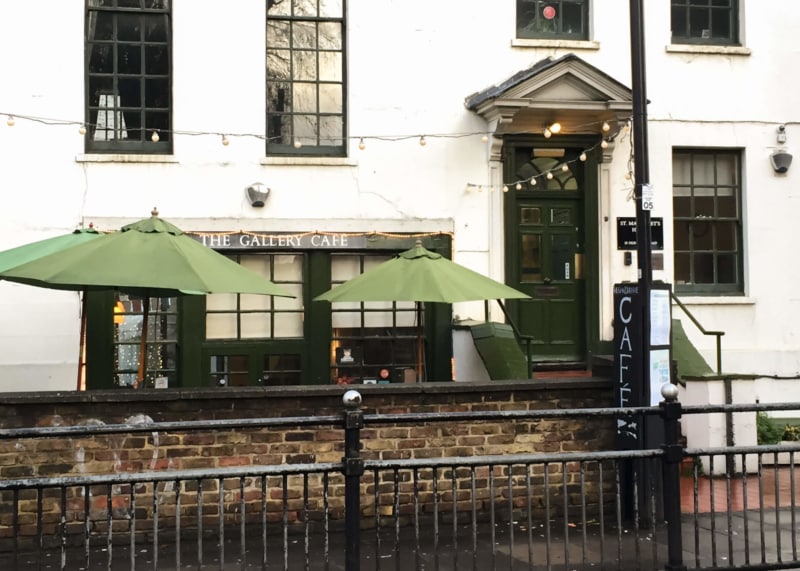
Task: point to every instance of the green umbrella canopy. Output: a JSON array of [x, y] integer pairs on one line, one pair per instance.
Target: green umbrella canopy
[[422, 276], [149, 257], [35, 250]]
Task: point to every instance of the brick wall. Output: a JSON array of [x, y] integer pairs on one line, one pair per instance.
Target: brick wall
[[209, 449]]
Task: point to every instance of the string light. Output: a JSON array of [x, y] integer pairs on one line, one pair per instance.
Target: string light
[[423, 142], [225, 141], [603, 144], [518, 186], [533, 181], [361, 144], [553, 128], [505, 188], [582, 158], [547, 132], [565, 167], [549, 175], [155, 138], [82, 130]]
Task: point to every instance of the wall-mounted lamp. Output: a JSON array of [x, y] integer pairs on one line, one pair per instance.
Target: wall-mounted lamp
[[257, 194], [781, 161]]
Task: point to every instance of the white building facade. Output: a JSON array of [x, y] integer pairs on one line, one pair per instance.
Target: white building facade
[[362, 126]]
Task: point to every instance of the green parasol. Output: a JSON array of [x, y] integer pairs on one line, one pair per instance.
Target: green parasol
[[150, 257], [420, 275]]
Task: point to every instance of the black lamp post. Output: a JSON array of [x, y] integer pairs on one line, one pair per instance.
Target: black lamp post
[[641, 178]]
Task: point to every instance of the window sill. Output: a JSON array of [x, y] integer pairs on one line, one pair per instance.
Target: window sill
[[715, 299], [567, 44], [310, 161], [124, 158], [705, 49]]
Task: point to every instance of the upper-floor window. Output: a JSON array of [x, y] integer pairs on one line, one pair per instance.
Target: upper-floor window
[[707, 220], [306, 77], [558, 19], [128, 69], [705, 22]]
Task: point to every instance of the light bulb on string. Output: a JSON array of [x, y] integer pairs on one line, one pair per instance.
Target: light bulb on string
[[518, 186], [484, 139], [533, 181], [606, 127], [505, 188], [565, 167], [480, 188], [297, 144], [361, 144], [423, 142], [603, 144], [10, 121], [582, 157], [547, 133], [549, 175], [225, 141], [82, 130], [555, 128], [154, 137]]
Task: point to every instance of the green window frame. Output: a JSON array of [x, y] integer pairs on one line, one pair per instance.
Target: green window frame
[[713, 22], [128, 76], [707, 221], [306, 83], [555, 19]]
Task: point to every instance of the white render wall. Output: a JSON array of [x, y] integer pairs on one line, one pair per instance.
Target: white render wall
[[411, 64]]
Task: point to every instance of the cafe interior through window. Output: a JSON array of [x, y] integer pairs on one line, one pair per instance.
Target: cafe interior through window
[[372, 342]]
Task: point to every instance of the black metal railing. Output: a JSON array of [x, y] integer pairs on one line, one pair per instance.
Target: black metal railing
[[667, 507]]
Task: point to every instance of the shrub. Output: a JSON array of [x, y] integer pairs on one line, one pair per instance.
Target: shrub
[[767, 431]]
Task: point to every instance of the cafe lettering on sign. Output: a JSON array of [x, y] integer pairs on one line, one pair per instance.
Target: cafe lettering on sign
[[279, 241]]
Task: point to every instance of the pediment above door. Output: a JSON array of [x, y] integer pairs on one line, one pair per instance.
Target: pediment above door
[[569, 90]]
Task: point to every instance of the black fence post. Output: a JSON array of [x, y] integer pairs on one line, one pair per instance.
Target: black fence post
[[671, 474], [352, 467]]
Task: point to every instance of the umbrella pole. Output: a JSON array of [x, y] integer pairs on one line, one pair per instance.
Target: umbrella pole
[[420, 345], [82, 344], [143, 343]]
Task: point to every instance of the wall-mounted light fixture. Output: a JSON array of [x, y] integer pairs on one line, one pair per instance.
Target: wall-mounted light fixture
[[257, 194]]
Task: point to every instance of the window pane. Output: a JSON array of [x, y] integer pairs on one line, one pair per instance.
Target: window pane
[[330, 98], [305, 65], [726, 236], [277, 35], [330, 67], [682, 268], [254, 326], [531, 257], [726, 269], [682, 206], [304, 35], [304, 99], [304, 7], [331, 130], [331, 8], [681, 234], [530, 215], [221, 301], [704, 268], [288, 325], [330, 36], [727, 169], [221, 326]]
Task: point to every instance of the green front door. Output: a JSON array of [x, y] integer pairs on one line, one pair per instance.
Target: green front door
[[549, 265], [545, 247]]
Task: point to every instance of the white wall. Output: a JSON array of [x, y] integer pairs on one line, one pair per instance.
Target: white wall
[[411, 65]]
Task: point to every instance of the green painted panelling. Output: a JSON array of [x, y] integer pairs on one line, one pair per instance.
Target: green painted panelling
[[499, 350], [690, 361]]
